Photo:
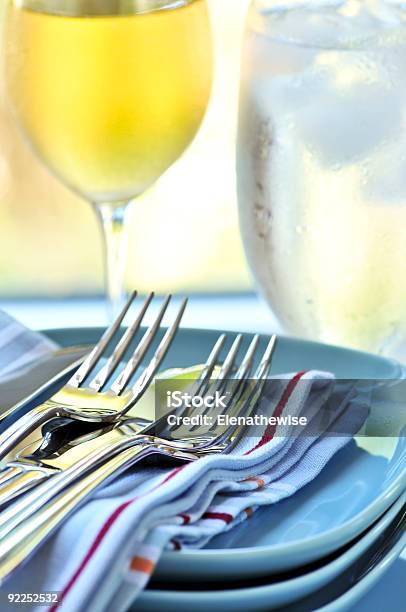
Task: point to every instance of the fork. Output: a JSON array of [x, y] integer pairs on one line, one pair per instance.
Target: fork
[[89, 402], [26, 523], [34, 466]]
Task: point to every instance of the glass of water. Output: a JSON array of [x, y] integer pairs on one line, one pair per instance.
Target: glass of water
[[322, 167]]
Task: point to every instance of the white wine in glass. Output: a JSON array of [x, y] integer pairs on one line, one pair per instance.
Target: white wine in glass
[[109, 93]]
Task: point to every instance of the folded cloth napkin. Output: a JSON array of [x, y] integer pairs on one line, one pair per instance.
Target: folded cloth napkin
[[19, 347], [104, 555]]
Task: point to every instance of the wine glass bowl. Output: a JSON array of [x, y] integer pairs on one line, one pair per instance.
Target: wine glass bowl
[[109, 95]]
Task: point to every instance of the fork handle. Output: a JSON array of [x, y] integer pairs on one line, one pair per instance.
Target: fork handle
[[16, 480], [24, 426], [24, 540], [106, 447]]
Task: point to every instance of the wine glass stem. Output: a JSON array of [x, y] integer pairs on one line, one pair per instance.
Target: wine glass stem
[[113, 221]]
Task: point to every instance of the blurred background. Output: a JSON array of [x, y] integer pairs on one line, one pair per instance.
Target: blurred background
[[48, 236]]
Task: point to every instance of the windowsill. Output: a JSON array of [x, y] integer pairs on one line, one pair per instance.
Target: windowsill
[[244, 312]]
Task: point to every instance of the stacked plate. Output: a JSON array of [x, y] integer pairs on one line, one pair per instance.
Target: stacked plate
[[328, 583], [307, 551]]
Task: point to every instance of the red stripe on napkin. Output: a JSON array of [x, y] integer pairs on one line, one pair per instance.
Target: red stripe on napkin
[[186, 518], [177, 545], [100, 536], [270, 430], [221, 516], [169, 477], [95, 545]]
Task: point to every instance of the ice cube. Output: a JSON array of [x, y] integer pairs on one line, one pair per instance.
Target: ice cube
[[339, 123], [345, 129], [328, 23], [342, 105]]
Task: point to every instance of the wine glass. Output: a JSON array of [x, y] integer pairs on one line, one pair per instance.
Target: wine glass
[[109, 93], [322, 190]]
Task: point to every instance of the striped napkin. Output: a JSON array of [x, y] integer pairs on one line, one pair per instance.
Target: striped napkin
[[104, 555]]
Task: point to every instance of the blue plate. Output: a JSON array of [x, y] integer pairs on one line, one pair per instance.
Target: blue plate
[[388, 592], [278, 595], [354, 596], [353, 491]]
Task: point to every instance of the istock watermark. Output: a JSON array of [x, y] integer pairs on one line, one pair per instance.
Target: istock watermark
[[178, 399], [285, 406]]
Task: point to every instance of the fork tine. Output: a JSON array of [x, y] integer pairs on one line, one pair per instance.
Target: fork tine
[[136, 358], [264, 366], [203, 378], [248, 405], [266, 360], [230, 359], [202, 382], [221, 380], [209, 366], [146, 377], [101, 379], [219, 383], [245, 368], [260, 375], [94, 356]]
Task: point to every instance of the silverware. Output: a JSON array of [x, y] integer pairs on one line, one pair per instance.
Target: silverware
[[89, 402], [26, 523], [41, 460]]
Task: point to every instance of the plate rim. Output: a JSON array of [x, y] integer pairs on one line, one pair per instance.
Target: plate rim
[[290, 339], [364, 543]]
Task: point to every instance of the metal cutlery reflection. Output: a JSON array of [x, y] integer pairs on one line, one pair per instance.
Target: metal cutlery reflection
[[64, 442], [29, 467], [89, 402], [28, 521], [61, 439]]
